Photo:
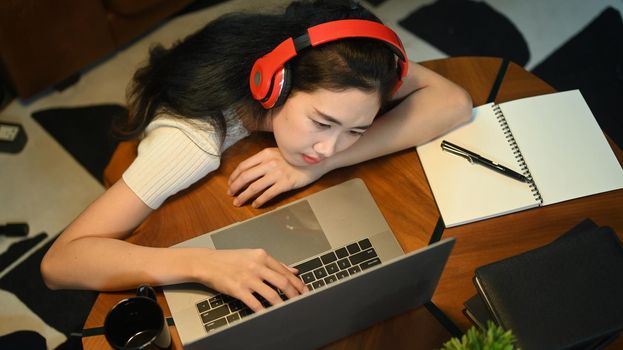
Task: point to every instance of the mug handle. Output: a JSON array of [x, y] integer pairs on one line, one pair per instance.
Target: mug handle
[[145, 290]]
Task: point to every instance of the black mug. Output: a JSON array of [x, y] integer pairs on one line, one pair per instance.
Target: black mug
[[137, 323]]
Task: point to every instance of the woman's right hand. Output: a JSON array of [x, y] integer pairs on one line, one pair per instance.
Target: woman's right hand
[[241, 272], [92, 254]]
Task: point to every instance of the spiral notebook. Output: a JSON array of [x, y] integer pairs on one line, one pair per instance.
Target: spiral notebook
[[553, 140]]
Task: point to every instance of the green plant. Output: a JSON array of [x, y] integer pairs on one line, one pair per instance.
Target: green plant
[[492, 338]]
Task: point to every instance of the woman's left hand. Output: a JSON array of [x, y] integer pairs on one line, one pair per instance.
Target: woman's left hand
[[268, 173]]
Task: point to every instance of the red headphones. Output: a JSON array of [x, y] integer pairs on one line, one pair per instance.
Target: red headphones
[[269, 78]]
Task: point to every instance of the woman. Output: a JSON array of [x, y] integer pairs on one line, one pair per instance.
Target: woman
[[338, 103]]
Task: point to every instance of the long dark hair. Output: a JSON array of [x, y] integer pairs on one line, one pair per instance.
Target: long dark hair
[[207, 73]]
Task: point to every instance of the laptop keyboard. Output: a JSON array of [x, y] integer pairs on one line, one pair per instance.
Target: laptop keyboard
[[318, 272]]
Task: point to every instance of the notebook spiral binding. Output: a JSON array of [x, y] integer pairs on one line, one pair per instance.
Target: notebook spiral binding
[[516, 152]]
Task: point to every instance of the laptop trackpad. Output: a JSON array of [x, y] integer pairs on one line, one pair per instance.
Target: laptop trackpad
[[289, 234]]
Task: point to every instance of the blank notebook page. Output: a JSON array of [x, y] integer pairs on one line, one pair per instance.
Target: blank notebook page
[[467, 192], [563, 146]]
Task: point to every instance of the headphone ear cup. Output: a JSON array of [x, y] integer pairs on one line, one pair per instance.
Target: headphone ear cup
[[279, 81], [285, 89], [268, 101]]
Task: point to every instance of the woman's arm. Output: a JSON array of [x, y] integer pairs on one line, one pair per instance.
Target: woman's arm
[[430, 105], [91, 254]]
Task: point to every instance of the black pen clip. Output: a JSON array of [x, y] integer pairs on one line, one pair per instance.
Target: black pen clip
[[454, 149]]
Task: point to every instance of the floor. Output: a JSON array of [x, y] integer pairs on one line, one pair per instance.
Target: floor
[[45, 187]]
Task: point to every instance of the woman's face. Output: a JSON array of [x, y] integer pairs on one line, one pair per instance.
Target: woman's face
[[310, 127]]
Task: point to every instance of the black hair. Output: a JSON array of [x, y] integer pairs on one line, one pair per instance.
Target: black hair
[[207, 73]]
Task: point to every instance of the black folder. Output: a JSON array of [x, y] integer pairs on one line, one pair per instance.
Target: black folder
[[566, 294], [477, 311]]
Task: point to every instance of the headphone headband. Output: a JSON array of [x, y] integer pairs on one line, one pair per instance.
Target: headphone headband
[[269, 75]]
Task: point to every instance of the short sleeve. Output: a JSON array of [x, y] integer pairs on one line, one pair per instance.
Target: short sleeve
[[168, 161]]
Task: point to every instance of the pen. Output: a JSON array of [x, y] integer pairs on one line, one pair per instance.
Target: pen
[[478, 159]]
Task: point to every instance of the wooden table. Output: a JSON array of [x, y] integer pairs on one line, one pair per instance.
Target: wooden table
[[399, 186]]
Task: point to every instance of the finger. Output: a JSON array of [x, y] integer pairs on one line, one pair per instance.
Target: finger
[[288, 283], [268, 293], [234, 183], [254, 188], [242, 179], [294, 270], [267, 195], [281, 282], [248, 163], [235, 174], [249, 300], [299, 284], [238, 186], [269, 158], [249, 176], [290, 274]]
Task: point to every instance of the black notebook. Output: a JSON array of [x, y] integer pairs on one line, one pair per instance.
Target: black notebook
[[476, 311], [553, 140], [568, 293]]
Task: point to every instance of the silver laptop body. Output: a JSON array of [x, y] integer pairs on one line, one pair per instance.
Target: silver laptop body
[[330, 219]]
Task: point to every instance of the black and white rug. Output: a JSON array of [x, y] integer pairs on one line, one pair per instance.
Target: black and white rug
[[590, 59]]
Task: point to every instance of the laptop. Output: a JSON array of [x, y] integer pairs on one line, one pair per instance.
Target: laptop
[[347, 255]]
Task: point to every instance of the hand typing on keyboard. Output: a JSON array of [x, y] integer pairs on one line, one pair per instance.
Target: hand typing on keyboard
[[317, 272], [249, 276]]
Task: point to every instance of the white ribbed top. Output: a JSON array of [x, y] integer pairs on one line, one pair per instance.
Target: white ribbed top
[[174, 154]]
